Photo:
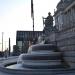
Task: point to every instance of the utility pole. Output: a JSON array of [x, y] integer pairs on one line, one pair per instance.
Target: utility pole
[[9, 47], [2, 41]]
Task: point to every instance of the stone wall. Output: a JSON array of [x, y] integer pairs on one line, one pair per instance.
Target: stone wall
[[66, 43], [66, 40]]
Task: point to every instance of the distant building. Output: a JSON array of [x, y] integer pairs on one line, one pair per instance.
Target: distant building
[[65, 24], [16, 50], [23, 38]]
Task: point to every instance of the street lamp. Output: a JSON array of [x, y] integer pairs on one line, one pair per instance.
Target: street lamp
[[2, 41]]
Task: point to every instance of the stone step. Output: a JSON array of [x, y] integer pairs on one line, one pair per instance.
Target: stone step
[[41, 61], [43, 47], [45, 52], [51, 56], [51, 65]]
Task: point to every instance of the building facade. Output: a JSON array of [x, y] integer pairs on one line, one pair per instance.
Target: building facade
[[65, 24], [23, 38]]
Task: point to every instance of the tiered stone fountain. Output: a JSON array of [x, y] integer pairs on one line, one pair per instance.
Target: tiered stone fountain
[[42, 56], [41, 59]]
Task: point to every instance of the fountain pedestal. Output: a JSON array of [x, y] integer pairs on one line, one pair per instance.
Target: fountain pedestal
[[41, 56]]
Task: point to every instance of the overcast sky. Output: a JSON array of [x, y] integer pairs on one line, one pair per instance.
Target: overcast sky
[[16, 15]]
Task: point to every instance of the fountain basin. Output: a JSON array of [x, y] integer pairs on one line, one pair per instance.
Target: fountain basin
[[36, 62], [19, 70]]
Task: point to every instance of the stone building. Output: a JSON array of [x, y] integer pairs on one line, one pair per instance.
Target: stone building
[[65, 24], [23, 38]]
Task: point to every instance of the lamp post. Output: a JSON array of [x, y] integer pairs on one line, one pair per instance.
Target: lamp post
[[2, 41], [9, 47]]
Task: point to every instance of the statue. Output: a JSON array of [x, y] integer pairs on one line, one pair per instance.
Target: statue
[[48, 22]]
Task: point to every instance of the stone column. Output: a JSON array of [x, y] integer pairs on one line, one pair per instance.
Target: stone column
[[73, 15], [68, 18], [65, 20]]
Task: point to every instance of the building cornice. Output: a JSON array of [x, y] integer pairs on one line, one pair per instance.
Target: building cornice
[[69, 6]]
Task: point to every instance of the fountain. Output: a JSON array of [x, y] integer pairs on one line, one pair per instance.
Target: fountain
[[42, 59], [43, 56]]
